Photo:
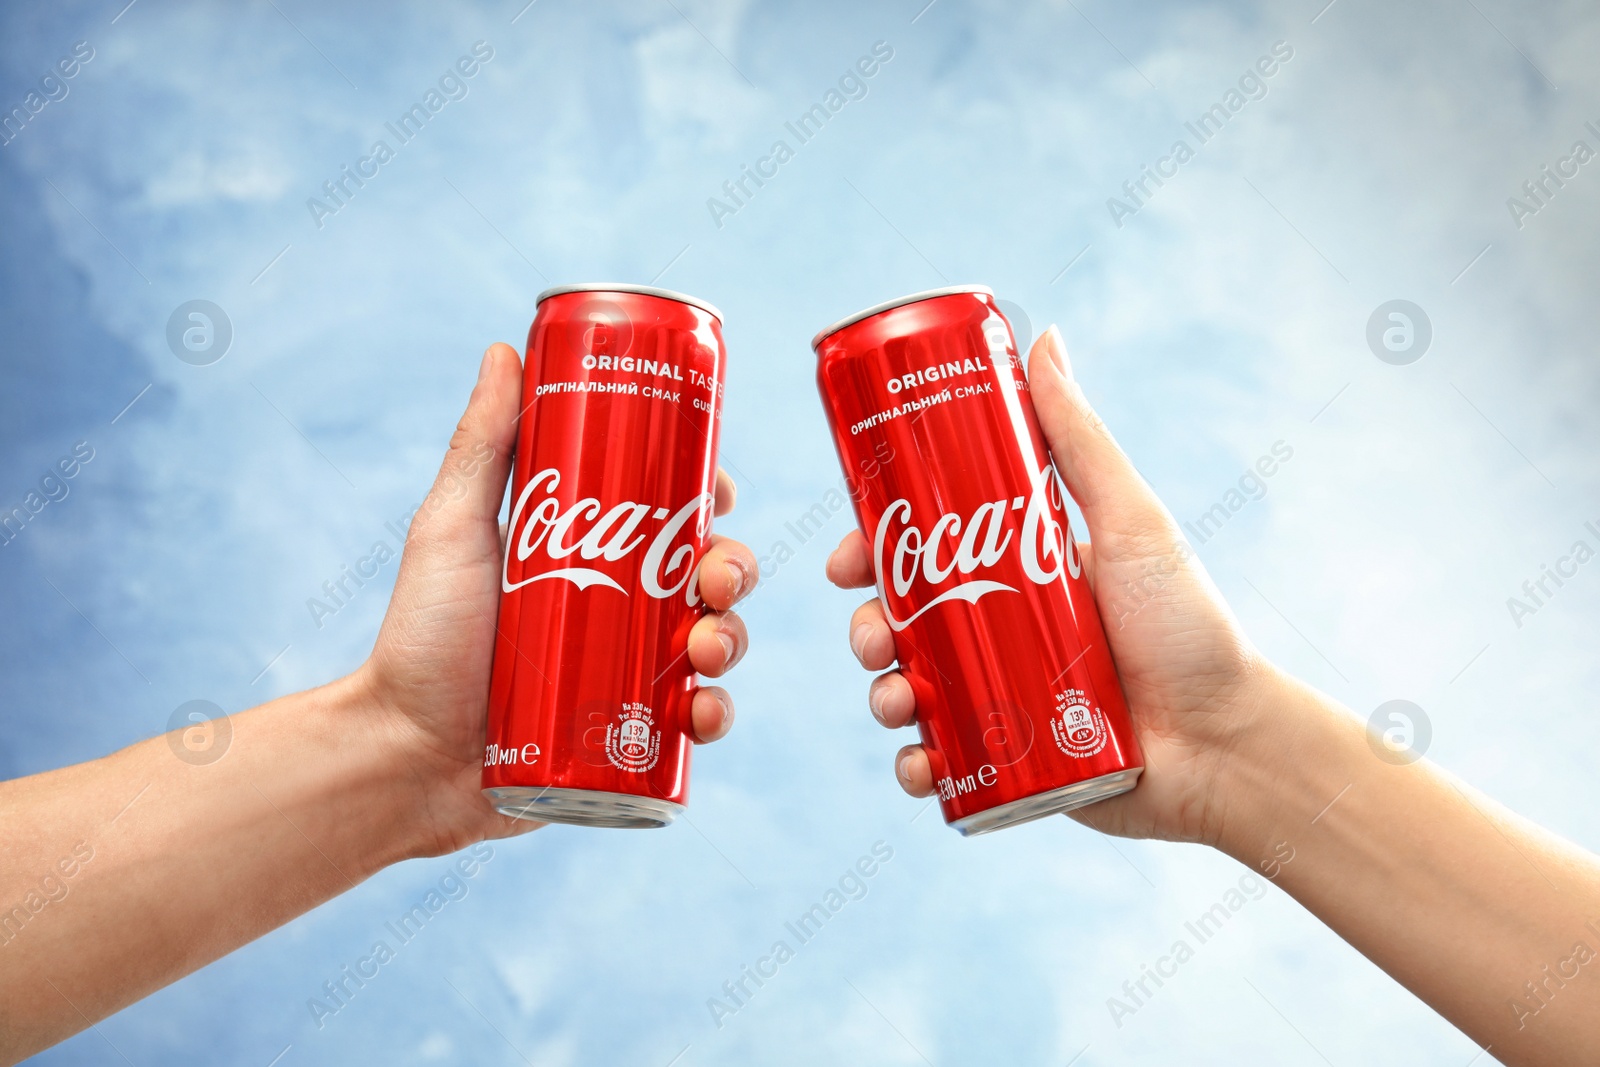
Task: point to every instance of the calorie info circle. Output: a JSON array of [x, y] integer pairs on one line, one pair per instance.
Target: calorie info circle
[[612, 493], [995, 627]]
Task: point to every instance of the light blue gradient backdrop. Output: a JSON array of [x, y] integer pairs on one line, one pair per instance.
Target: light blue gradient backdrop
[[1222, 318]]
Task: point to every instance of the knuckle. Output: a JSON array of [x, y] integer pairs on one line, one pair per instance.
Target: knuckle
[[462, 439]]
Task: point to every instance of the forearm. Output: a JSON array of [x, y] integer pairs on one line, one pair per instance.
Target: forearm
[[173, 864], [1459, 900]]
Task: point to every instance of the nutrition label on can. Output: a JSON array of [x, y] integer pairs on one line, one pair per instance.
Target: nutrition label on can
[[633, 742], [1079, 729]]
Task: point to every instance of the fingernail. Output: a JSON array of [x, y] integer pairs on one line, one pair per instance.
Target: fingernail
[[902, 768], [740, 576], [727, 713], [858, 638], [725, 639], [1057, 347], [483, 368], [875, 702]]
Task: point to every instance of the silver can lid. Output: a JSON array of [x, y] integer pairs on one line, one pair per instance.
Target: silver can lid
[[624, 287], [867, 313]]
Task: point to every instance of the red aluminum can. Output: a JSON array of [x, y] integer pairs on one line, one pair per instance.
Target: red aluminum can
[[611, 501], [995, 627]]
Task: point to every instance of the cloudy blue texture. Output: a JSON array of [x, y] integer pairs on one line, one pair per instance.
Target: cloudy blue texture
[[1228, 314]]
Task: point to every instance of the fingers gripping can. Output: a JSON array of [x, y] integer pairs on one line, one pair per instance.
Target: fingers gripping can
[[994, 624], [612, 493]]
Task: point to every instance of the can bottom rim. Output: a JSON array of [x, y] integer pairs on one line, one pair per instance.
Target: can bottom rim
[[1055, 802], [583, 807]]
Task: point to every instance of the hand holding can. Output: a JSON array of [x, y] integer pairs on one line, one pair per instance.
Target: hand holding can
[[992, 618], [612, 496]]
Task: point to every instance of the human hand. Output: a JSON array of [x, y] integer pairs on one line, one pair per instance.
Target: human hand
[[1191, 677], [427, 680]]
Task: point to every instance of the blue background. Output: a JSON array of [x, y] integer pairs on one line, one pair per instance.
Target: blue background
[[1228, 314]]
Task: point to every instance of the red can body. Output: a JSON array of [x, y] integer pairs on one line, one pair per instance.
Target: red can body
[[612, 495], [995, 627]]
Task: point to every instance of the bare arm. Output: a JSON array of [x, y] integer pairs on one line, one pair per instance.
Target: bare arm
[[1490, 920], [158, 866], [126, 873]]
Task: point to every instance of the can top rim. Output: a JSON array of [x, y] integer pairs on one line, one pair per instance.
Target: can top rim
[[625, 287], [890, 305]]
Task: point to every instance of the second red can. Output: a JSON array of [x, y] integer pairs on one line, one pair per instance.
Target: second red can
[[612, 494], [995, 627]]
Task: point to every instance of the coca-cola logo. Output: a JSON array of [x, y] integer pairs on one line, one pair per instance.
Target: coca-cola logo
[[970, 549], [569, 537]]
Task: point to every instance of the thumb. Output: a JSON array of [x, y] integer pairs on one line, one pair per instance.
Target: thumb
[[1124, 515], [464, 503]]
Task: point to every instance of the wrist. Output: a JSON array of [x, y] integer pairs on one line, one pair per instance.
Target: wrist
[[1293, 761], [431, 789], [380, 774]]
